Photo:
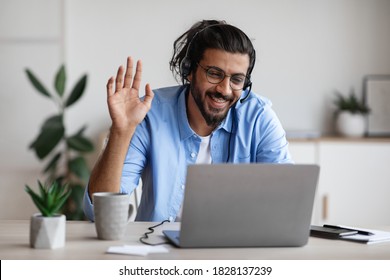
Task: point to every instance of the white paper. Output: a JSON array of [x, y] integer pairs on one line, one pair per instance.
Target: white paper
[[376, 237], [137, 250]]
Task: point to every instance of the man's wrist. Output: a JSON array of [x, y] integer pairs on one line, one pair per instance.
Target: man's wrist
[[122, 131]]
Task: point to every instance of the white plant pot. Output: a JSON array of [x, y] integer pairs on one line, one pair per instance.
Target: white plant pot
[[351, 125], [47, 232]]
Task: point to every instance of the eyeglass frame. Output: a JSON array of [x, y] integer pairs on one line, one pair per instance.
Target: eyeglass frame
[[207, 69]]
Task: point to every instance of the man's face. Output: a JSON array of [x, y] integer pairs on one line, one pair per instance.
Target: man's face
[[214, 100]]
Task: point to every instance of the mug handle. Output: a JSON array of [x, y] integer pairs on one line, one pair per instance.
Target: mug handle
[[130, 211]]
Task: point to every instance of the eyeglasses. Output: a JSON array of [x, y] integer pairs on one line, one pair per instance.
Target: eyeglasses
[[215, 75]]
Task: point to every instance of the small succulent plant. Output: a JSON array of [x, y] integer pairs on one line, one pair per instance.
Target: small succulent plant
[[51, 197], [350, 103]]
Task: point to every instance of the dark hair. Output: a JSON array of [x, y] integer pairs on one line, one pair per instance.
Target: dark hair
[[209, 34]]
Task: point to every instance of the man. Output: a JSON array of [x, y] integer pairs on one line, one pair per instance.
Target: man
[[212, 118]]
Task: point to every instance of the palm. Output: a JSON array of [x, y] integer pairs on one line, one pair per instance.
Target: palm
[[125, 107]]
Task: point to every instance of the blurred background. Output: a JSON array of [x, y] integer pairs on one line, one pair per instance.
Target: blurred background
[[306, 49]]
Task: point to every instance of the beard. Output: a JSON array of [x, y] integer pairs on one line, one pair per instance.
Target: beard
[[212, 116]]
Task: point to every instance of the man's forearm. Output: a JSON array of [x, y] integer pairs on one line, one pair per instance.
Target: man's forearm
[[106, 175]]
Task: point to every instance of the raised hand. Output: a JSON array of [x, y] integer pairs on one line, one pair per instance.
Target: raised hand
[[126, 109]]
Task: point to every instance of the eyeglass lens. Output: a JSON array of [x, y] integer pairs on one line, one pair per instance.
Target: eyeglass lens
[[215, 76]]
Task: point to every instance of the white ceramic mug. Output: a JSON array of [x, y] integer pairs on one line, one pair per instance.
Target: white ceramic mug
[[112, 213]]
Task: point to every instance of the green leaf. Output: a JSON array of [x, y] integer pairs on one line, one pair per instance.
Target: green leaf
[[54, 191], [32, 193], [37, 84], [77, 91], [78, 194], [53, 163], [38, 201], [60, 81], [42, 190], [60, 201], [79, 167], [81, 131], [52, 132], [50, 201], [79, 143]]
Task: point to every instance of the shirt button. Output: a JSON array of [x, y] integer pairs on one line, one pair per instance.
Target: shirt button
[[171, 219], [182, 187], [193, 154]]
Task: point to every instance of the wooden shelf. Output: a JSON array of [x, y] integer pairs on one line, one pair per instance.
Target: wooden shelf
[[342, 139]]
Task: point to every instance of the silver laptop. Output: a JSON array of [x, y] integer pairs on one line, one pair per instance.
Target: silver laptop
[[246, 205]]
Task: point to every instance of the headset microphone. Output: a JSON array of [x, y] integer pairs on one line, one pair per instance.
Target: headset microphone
[[249, 87]]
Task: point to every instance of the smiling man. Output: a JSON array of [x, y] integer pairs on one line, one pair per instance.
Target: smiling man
[[212, 118]]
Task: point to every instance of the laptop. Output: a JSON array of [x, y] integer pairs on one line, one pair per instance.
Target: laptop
[[246, 205]]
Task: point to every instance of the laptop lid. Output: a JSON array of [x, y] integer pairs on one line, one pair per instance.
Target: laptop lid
[[247, 205]]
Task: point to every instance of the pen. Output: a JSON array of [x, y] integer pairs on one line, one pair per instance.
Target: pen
[[358, 230]]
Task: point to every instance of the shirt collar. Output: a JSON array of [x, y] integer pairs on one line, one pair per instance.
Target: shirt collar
[[184, 126]]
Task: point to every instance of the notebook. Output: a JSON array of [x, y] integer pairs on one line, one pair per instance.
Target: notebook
[[246, 205]]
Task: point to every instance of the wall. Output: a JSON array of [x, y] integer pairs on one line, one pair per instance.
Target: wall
[[306, 50], [31, 35]]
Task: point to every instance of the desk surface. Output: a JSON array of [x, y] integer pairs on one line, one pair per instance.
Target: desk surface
[[82, 243]]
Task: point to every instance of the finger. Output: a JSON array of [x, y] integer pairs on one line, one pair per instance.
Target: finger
[[119, 79], [110, 87], [138, 75], [129, 72], [148, 96]]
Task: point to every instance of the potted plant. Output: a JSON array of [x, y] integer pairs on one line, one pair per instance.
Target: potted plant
[[64, 153], [350, 115], [47, 228]]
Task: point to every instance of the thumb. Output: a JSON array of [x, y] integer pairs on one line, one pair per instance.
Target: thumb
[[148, 96]]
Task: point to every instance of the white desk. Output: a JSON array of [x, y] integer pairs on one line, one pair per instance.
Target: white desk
[[82, 243]]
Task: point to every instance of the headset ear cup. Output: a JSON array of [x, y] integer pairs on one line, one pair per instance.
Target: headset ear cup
[[185, 67]]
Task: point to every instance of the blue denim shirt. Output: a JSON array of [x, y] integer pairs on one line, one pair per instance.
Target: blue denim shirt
[[164, 144]]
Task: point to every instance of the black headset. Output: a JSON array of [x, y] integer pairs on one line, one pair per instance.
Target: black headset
[[185, 64]]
